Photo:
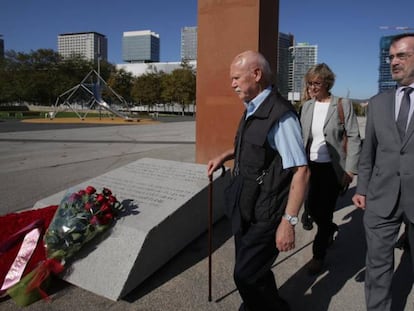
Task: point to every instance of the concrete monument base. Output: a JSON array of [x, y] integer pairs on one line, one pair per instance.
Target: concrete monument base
[[168, 208]]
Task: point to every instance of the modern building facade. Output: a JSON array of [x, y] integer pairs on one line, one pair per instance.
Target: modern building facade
[[138, 69], [285, 42], [140, 46], [303, 56], [385, 80], [189, 43], [1, 46], [89, 45]]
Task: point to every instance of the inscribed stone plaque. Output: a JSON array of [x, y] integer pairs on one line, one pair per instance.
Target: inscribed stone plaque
[[168, 209]]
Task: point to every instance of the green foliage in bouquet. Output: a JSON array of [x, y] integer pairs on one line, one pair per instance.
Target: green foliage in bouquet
[[80, 217], [24, 293]]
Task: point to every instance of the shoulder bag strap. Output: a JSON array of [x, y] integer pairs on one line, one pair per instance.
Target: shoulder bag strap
[[341, 116]]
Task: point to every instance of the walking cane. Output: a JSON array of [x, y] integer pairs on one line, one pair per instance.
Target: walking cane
[[210, 226]]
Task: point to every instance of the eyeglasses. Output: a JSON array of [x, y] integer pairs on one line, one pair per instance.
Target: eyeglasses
[[399, 56], [315, 84]]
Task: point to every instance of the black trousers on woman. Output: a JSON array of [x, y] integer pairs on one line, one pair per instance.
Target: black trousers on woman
[[323, 193]]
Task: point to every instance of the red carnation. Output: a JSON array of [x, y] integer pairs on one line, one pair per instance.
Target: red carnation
[[106, 191], [88, 206], [74, 197], [112, 199], [100, 198], [94, 220], [90, 190], [106, 219], [105, 208]]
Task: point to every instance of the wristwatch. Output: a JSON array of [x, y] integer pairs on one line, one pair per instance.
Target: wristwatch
[[293, 220]]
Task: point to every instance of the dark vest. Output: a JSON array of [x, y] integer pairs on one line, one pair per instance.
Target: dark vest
[[266, 184]]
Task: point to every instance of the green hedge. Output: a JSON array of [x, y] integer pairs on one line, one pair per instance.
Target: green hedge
[[13, 108], [20, 114]]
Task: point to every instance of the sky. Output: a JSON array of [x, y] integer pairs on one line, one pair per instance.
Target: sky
[[347, 33]]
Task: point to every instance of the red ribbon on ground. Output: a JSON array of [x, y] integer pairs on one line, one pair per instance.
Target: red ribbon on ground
[[41, 273]]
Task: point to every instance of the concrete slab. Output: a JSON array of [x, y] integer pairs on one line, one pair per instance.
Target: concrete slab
[[167, 205]]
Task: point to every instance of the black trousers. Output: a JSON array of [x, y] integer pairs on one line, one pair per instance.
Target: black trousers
[[323, 193], [255, 254]]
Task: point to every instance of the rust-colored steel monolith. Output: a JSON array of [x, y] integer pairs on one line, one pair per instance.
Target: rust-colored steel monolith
[[225, 29]]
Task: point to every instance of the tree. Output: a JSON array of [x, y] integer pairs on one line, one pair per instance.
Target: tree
[[28, 75], [39, 76], [121, 82], [147, 89], [183, 81], [168, 88]]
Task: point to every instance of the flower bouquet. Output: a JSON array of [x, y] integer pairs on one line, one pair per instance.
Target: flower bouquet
[[80, 217]]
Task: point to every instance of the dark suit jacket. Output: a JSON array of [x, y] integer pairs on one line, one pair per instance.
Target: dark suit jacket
[[386, 165]]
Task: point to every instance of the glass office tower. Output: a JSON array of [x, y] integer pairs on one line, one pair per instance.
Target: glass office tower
[[189, 43], [385, 80], [303, 56], [140, 47], [286, 41], [1, 47]]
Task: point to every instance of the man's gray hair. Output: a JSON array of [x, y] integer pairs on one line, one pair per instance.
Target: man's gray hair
[[254, 60]]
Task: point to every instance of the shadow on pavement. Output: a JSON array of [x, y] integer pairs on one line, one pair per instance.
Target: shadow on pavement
[[188, 257], [345, 261], [402, 283]]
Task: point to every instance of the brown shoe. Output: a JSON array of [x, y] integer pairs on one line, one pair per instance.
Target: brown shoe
[[315, 266]]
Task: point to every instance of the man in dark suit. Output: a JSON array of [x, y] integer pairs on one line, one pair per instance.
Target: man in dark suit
[[386, 173]]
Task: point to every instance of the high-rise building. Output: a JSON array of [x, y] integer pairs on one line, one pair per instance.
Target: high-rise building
[[303, 56], [140, 47], [283, 58], [89, 45], [385, 80], [189, 43], [1, 46]]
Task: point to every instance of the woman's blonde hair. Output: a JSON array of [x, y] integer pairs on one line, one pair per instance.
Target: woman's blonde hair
[[323, 72]]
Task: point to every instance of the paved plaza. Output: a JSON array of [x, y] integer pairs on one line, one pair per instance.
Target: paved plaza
[[38, 160]]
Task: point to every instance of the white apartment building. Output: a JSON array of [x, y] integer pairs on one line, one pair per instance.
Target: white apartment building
[[303, 56], [138, 69], [89, 45], [189, 43]]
